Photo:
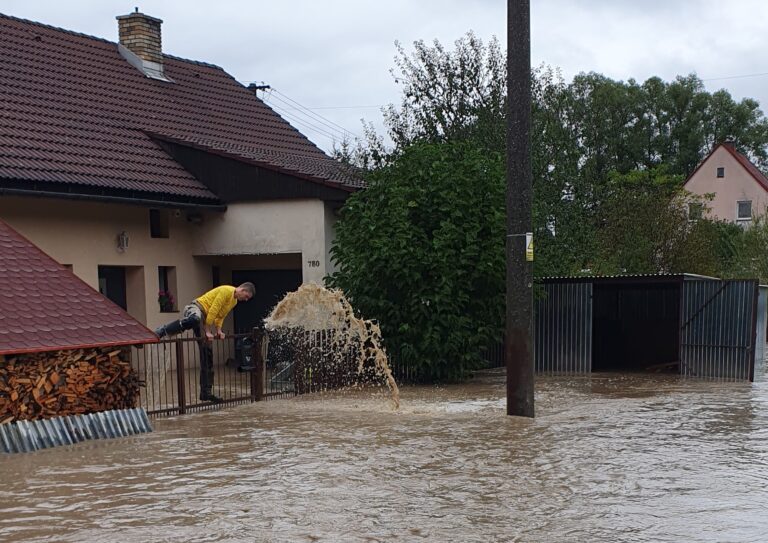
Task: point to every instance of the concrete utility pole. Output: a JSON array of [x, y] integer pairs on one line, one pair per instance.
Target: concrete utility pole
[[518, 344]]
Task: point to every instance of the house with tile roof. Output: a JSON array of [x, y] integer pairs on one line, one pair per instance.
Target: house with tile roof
[[740, 189], [146, 173]]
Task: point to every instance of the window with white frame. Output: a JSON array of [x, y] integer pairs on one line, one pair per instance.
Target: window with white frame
[[744, 210]]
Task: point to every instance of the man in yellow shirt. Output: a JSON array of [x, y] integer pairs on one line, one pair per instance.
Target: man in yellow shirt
[[205, 316]]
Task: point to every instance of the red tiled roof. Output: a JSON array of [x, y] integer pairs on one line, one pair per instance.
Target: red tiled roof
[[76, 112], [45, 307], [753, 170]]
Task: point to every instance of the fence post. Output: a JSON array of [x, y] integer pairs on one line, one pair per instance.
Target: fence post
[[257, 375], [181, 388]]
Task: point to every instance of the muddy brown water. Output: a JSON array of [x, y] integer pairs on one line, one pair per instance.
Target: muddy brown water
[[610, 458]]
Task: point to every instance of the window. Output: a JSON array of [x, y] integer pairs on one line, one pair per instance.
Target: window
[[721, 172], [744, 210], [695, 211], [158, 223], [166, 294]]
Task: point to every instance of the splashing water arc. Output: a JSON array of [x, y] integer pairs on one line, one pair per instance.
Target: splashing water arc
[[313, 307]]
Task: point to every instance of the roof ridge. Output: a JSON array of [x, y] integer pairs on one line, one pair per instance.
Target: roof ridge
[[97, 38]]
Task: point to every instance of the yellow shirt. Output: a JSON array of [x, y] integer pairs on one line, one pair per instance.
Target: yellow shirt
[[217, 303]]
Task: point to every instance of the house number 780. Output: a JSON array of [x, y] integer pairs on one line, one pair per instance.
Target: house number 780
[[313, 263]]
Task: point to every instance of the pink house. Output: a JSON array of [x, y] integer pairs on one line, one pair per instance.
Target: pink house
[[740, 189]]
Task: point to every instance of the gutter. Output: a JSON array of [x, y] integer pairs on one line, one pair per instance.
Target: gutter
[[113, 199]]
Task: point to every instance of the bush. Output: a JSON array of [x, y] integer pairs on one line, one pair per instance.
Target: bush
[[421, 250]]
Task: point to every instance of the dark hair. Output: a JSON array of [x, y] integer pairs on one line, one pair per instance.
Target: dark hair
[[249, 287]]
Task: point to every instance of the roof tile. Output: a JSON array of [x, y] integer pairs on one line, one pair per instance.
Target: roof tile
[[75, 112], [65, 313]]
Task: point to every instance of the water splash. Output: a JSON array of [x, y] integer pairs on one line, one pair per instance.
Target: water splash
[[314, 308]]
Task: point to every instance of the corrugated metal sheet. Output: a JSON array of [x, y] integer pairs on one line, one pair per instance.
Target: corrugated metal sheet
[[563, 329], [28, 436], [718, 322], [762, 332]]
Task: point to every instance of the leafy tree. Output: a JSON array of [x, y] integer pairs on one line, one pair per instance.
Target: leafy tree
[[422, 250], [646, 228], [450, 95], [743, 251]]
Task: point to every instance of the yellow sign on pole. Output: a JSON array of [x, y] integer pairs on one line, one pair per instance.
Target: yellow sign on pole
[[529, 247]]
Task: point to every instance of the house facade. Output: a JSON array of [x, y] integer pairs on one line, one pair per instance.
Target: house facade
[[146, 173], [739, 188]]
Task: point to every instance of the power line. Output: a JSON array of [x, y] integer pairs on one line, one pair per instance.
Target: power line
[[305, 124], [319, 117], [313, 118], [760, 74], [331, 129]]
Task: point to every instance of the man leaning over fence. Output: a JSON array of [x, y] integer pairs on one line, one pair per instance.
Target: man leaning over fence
[[205, 316]]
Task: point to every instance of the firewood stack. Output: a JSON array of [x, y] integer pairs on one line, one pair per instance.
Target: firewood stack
[[72, 382]]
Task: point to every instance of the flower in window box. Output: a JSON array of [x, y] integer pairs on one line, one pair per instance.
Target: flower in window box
[[166, 301]]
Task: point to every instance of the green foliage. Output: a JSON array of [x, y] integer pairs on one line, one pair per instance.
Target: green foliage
[[743, 252], [422, 251]]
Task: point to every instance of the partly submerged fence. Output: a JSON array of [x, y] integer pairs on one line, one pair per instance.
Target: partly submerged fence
[[169, 373], [246, 368], [254, 367]]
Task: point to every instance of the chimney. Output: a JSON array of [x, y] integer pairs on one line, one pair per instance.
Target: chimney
[[140, 34]]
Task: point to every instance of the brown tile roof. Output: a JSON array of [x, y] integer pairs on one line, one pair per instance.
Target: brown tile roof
[[45, 307], [76, 112]]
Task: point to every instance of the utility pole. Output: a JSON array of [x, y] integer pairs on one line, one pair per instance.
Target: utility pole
[[518, 345]]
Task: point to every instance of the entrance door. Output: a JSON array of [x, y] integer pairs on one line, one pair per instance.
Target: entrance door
[[718, 327], [271, 287], [112, 284]]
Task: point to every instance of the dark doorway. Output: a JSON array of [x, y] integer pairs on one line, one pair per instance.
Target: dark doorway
[[112, 284], [271, 286], [636, 326]]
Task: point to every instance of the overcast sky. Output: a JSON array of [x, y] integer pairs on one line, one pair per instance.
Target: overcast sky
[[335, 56]]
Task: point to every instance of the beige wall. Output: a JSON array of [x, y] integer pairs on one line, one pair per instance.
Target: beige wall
[[270, 235], [279, 227], [737, 185], [84, 234]]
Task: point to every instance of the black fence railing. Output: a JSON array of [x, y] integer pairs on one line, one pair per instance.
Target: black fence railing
[[254, 367], [170, 373]]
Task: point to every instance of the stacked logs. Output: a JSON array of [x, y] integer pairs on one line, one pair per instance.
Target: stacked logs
[[73, 382]]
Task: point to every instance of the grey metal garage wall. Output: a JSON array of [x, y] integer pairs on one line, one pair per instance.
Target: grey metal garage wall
[[762, 332], [718, 329], [563, 328]]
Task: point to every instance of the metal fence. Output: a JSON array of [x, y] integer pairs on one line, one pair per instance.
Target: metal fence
[[246, 368], [169, 373]]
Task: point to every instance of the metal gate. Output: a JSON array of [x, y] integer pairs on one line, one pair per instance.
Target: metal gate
[[718, 325], [563, 328]]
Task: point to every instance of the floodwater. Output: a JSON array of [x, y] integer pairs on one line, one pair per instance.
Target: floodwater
[[609, 458]]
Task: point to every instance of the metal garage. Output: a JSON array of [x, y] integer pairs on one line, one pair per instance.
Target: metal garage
[[693, 325]]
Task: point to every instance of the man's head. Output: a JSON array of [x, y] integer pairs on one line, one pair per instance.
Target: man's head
[[245, 292]]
